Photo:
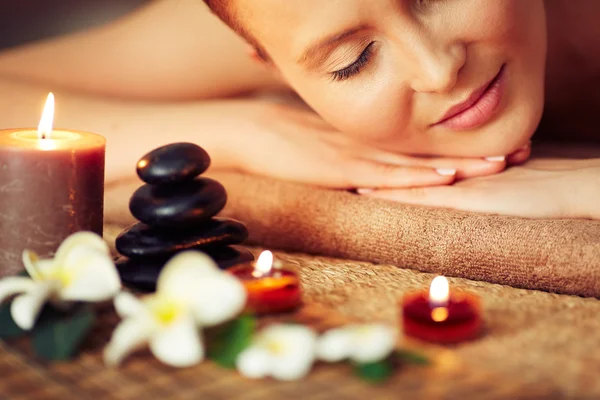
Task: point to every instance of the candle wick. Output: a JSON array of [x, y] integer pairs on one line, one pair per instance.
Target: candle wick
[[438, 303]]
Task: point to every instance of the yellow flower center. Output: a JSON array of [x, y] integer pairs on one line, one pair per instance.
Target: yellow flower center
[[165, 311], [363, 330], [59, 275], [275, 347]]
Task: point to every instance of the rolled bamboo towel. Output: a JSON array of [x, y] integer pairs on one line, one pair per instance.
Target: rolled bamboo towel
[[560, 256]]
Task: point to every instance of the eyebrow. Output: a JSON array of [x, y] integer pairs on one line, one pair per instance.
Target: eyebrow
[[316, 53]]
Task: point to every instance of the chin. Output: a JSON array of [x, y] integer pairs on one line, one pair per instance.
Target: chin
[[494, 141], [509, 144], [510, 133]]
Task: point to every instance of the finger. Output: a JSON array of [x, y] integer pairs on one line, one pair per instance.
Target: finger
[[520, 156], [371, 175], [465, 167], [448, 197], [489, 166]]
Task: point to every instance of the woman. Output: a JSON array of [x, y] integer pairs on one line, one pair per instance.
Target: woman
[[418, 101]]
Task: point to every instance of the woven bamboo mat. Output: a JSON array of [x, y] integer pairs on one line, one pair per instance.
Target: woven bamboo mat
[[536, 345]]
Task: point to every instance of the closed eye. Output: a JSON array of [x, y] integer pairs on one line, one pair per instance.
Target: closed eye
[[354, 68]]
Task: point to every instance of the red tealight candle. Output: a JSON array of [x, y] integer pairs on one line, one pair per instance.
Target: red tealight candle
[[270, 289], [440, 316]]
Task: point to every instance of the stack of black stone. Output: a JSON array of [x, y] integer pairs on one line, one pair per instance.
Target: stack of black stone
[[177, 211]]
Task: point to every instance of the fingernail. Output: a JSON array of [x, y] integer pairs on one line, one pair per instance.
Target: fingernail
[[496, 159], [446, 171], [364, 191]]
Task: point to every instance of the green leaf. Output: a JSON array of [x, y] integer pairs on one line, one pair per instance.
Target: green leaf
[[58, 335], [376, 372], [8, 328], [23, 273], [227, 341], [411, 357]]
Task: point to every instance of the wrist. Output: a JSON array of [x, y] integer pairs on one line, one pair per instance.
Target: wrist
[[247, 135], [228, 127]]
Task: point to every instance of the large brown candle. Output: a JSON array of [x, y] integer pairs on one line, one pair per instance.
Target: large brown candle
[[51, 185]]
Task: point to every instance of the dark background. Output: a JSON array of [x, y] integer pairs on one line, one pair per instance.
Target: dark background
[[23, 21]]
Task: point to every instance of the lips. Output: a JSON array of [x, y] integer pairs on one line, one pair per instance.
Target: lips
[[478, 108]]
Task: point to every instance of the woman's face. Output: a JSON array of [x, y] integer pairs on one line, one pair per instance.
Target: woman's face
[[397, 73]]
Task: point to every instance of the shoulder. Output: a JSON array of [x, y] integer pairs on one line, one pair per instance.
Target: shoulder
[[165, 50]]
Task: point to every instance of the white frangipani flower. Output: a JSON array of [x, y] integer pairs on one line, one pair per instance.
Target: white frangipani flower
[[191, 292], [81, 270], [285, 352], [360, 343]]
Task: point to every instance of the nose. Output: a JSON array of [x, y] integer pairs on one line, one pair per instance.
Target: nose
[[436, 66]]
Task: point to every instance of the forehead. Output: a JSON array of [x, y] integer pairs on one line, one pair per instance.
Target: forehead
[[293, 24]]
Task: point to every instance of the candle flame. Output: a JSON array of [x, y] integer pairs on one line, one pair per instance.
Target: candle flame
[[439, 292], [264, 264], [45, 126]]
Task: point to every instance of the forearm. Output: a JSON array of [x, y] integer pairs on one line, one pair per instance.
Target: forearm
[[131, 128], [260, 137]]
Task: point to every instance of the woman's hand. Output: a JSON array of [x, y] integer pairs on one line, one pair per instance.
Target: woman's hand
[[544, 188], [293, 143]]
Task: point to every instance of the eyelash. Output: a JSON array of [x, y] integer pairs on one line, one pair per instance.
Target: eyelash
[[354, 68]]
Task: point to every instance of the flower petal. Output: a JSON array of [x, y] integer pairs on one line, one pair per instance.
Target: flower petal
[[90, 275], [218, 298], [26, 307], [38, 269], [373, 342], [84, 238], [130, 335], [178, 344], [254, 362], [127, 305], [12, 285], [335, 345], [45, 268], [295, 347], [30, 260], [182, 273], [193, 278]]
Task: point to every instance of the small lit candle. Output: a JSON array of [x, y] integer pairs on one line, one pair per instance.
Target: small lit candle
[[441, 316], [270, 289], [51, 185]]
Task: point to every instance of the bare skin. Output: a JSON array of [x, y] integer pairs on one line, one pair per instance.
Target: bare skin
[[182, 87], [171, 73]]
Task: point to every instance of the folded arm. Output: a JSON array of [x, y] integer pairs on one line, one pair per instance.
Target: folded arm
[[173, 72], [548, 188]]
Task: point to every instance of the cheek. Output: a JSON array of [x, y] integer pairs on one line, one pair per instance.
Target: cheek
[[512, 26], [368, 112], [380, 112], [518, 33]]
